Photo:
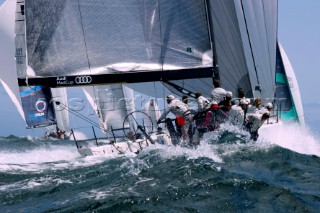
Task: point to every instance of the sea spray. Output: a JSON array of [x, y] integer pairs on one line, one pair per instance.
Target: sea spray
[[226, 172]]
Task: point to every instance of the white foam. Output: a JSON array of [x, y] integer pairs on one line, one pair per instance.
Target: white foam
[[33, 183], [203, 150], [54, 157], [297, 139]]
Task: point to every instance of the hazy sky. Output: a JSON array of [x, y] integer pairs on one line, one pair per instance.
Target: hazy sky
[[299, 33]]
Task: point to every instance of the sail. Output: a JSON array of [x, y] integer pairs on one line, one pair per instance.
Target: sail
[[244, 34], [258, 27], [153, 112], [287, 91], [37, 106], [112, 103], [231, 57], [8, 76], [61, 108], [72, 43]]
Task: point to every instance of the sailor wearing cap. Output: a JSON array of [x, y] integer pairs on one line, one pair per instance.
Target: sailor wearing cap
[[181, 111], [269, 106], [256, 107], [244, 105]]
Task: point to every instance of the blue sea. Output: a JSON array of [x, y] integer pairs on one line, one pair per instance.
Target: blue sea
[[226, 173]]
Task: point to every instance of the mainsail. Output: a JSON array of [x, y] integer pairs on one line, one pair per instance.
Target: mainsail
[[76, 43], [245, 41]]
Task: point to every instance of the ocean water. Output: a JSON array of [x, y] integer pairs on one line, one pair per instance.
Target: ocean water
[[226, 173]]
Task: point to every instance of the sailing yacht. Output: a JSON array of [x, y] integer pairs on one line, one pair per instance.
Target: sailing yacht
[[39, 106], [118, 49]]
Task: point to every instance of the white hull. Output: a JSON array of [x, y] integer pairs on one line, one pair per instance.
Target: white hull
[[271, 131], [108, 148]]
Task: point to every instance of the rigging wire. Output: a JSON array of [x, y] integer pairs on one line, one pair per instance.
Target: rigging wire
[[79, 115]]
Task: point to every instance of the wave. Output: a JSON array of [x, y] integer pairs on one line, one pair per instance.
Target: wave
[[25, 154], [227, 172]]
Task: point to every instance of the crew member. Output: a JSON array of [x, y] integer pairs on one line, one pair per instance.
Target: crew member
[[256, 107], [218, 94], [181, 111], [254, 122], [203, 103], [236, 115]]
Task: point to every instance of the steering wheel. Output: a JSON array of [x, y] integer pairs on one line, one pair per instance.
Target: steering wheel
[[133, 117]]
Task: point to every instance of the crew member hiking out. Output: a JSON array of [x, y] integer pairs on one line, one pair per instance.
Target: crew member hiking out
[[182, 113]]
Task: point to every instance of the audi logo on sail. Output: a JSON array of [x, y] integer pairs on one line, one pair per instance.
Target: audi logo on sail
[[83, 79]]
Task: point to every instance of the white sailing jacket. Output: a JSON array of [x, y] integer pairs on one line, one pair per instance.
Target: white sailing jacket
[[177, 107], [218, 94], [203, 103], [236, 115], [255, 120]]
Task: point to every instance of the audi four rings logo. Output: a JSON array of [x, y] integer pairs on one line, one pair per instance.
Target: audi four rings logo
[[83, 79]]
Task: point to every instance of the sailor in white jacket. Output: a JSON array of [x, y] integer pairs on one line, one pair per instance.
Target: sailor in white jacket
[[236, 115], [218, 94], [203, 103], [178, 108]]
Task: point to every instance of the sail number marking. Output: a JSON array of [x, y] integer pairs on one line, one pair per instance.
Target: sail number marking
[[83, 79]]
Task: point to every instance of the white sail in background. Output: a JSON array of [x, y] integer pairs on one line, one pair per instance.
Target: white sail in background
[[112, 104], [60, 105], [153, 111], [8, 74], [90, 95]]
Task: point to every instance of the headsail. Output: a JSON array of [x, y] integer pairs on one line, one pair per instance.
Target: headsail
[[287, 91], [8, 76]]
